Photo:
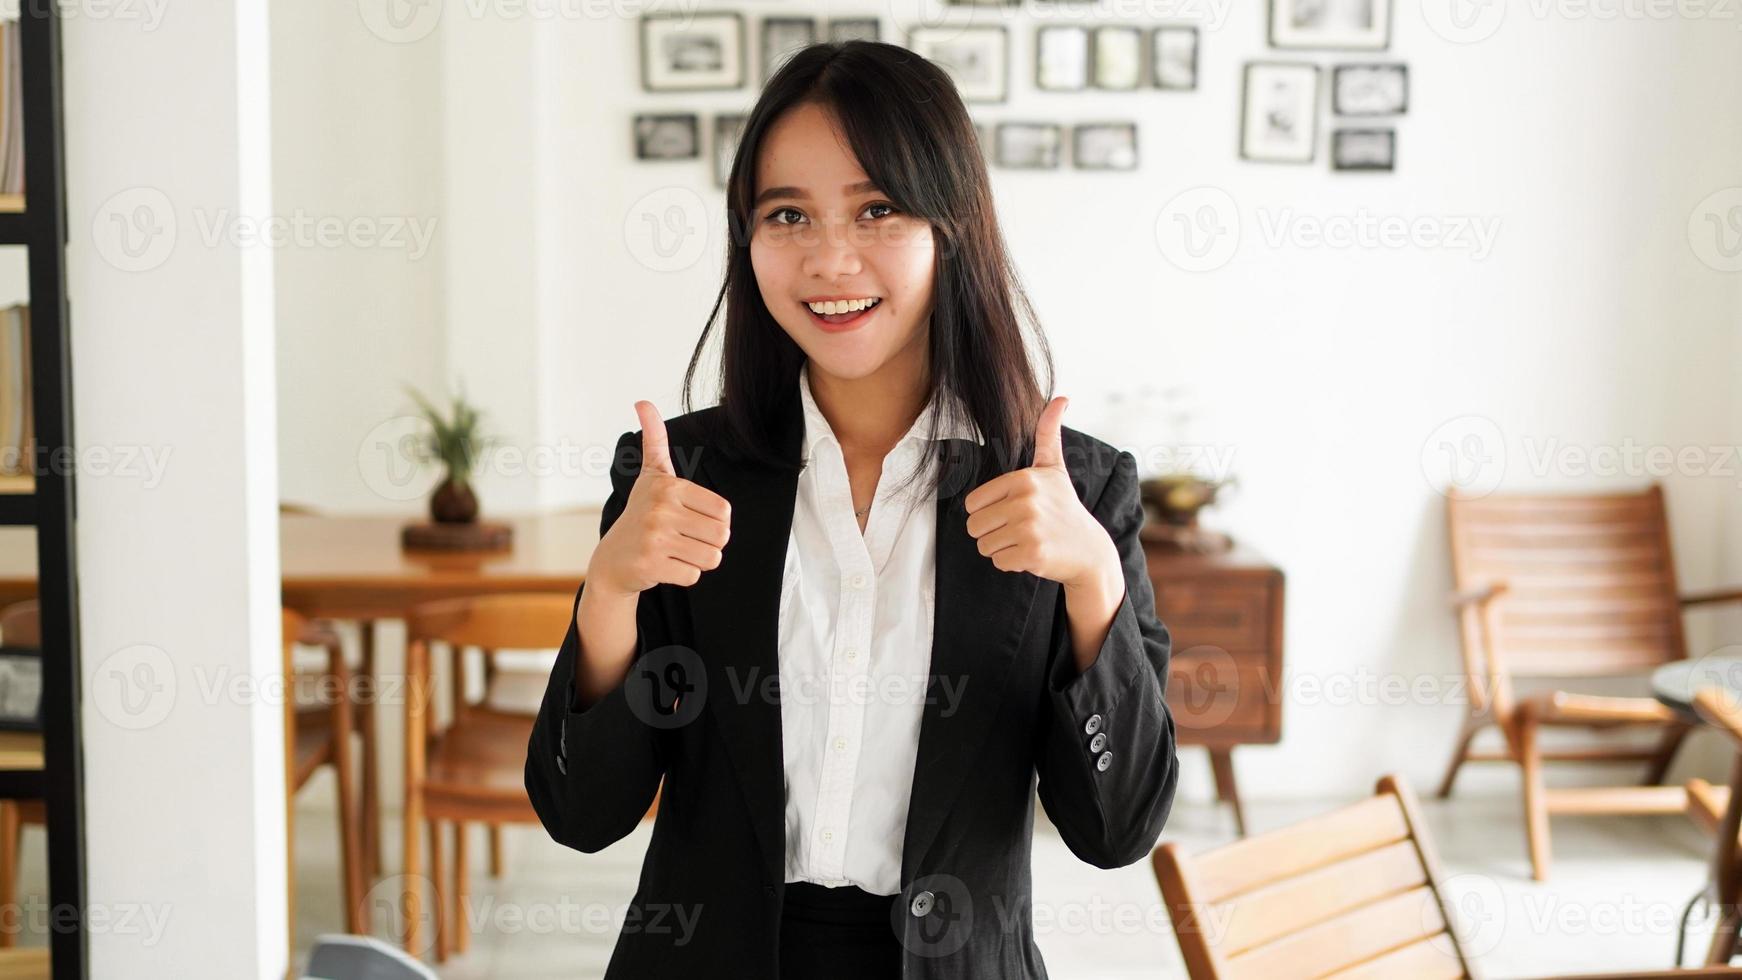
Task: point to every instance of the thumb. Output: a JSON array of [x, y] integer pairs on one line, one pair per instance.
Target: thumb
[[1048, 443], [655, 451]]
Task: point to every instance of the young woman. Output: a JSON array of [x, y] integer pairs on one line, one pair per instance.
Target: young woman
[[850, 614]]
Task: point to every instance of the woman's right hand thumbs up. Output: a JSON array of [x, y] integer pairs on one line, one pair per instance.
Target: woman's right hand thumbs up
[[670, 531]]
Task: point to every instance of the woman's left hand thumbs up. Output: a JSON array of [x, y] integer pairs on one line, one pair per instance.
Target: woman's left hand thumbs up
[[1030, 520]]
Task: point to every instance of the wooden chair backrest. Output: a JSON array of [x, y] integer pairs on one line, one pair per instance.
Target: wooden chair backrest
[[1353, 893], [508, 621], [1589, 579], [21, 624]]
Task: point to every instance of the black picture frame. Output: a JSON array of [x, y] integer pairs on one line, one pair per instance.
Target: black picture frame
[[1095, 64], [1004, 160], [857, 28], [1381, 41], [1084, 36], [1340, 72], [1311, 113], [731, 26], [651, 125], [1079, 159], [1155, 49], [804, 25], [728, 130], [1341, 152], [992, 36]]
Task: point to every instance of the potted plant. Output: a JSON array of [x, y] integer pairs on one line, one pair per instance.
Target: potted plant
[[457, 440]]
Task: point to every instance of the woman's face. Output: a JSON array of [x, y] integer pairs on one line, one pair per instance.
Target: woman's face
[[822, 233]]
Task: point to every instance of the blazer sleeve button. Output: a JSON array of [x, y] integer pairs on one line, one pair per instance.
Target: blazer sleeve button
[[922, 904], [1103, 762], [1099, 742], [1093, 725]]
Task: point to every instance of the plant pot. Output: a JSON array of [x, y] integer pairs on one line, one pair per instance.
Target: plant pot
[[453, 503]]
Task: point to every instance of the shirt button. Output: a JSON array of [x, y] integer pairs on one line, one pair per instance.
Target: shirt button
[[1093, 725], [828, 835], [922, 904], [852, 656], [1103, 762], [840, 743], [858, 581], [1098, 743]]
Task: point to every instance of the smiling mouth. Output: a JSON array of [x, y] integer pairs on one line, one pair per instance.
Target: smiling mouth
[[849, 312]]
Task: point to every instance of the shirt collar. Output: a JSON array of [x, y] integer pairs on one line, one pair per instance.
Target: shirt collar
[[816, 425]]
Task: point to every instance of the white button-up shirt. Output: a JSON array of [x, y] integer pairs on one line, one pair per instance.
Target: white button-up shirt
[[855, 651]]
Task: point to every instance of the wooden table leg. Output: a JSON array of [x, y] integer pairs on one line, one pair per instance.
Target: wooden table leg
[[1222, 764], [1726, 875]]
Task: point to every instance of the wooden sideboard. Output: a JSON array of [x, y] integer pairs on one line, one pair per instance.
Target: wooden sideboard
[[1224, 614]]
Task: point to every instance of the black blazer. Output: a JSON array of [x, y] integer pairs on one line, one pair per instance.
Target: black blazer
[[709, 897]]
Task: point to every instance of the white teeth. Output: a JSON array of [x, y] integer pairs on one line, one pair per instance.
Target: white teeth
[[843, 305]]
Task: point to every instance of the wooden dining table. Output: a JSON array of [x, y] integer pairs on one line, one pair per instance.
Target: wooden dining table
[[353, 568]]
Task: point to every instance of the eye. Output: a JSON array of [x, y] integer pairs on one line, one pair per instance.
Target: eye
[[773, 217], [889, 207]]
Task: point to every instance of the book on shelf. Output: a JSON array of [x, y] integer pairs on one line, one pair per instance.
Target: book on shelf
[[17, 434]]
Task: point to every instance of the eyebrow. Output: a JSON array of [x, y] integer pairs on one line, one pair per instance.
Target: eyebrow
[[800, 193]]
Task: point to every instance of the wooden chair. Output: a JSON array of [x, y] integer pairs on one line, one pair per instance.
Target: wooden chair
[[1710, 806], [316, 736], [20, 626], [474, 771], [1567, 586], [1353, 894]]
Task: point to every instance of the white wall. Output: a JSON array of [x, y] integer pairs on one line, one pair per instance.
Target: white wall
[[1327, 375], [167, 137]]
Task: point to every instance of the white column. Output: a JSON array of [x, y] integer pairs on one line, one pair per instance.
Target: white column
[[168, 168]]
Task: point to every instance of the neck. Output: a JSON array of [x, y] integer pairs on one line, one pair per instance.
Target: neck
[[870, 414]]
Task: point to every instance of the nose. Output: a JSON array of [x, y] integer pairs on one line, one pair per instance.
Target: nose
[[832, 256]]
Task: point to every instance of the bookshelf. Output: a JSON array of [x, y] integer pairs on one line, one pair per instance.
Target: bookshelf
[[50, 766]]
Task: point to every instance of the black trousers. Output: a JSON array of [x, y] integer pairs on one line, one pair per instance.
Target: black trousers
[[843, 933]]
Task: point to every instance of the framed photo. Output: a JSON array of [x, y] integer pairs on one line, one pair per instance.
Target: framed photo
[[20, 689], [977, 58], [1331, 24], [667, 136], [1104, 146], [1278, 121], [1061, 59], [855, 29], [1029, 146], [1370, 90], [1364, 149], [692, 52], [1118, 58], [1174, 58], [728, 130], [782, 37]]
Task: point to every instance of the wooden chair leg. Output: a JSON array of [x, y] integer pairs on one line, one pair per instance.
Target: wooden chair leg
[[350, 834], [438, 873], [1466, 735], [1535, 796], [462, 870], [496, 856], [1222, 765], [1666, 750], [10, 829], [371, 764]]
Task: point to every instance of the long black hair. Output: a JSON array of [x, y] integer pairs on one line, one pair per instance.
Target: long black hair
[[907, 126]]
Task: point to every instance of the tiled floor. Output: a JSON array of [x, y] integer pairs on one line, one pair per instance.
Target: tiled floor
[[1613, 902]]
